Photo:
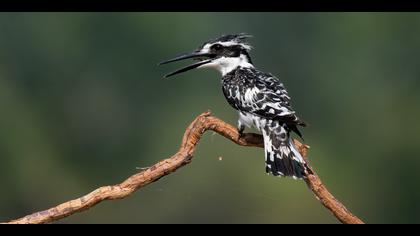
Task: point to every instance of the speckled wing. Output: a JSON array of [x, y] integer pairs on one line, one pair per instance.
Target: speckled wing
[[263, 95]]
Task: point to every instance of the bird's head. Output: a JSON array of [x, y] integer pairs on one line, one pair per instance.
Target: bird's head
[[225, 54]]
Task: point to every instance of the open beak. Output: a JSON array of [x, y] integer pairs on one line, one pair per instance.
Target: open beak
[[203, 57]]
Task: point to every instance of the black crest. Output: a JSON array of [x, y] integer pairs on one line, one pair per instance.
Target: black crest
[[240, 38]]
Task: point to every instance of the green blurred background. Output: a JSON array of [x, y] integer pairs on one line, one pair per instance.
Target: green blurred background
[[83, 103]]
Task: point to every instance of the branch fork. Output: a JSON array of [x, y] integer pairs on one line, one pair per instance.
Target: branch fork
[[192, 135]]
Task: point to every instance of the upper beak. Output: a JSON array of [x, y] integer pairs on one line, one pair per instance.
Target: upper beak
[[186, 56]]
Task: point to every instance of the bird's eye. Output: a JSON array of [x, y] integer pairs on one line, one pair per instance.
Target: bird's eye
[[217, 47]]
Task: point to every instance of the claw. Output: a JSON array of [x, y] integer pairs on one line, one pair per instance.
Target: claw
[[241, 129]]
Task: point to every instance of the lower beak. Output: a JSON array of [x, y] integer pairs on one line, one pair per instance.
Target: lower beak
[[187, 56]]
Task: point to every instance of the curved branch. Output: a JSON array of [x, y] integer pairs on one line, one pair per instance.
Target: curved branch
[[184, 155]]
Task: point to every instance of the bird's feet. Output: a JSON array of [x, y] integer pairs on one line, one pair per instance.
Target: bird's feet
[[241, 129]]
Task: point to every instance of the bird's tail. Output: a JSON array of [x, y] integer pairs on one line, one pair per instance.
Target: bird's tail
[[281, 156]]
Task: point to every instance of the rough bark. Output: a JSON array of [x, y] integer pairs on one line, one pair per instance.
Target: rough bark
[[184, 155]]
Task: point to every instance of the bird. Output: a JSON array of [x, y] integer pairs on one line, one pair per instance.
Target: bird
[[260, 98]]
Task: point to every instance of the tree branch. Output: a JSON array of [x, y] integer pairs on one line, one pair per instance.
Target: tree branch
[[184, 155]]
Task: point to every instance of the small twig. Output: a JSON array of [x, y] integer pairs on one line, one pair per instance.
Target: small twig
[[142, 168], [184, 155]]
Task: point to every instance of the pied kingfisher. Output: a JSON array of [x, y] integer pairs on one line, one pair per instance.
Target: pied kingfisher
[[260, 98]]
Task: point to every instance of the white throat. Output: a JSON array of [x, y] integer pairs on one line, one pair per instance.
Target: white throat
[[227, 64]]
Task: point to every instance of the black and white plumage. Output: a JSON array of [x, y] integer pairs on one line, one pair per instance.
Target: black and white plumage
[[260, 98], [263, 103]]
